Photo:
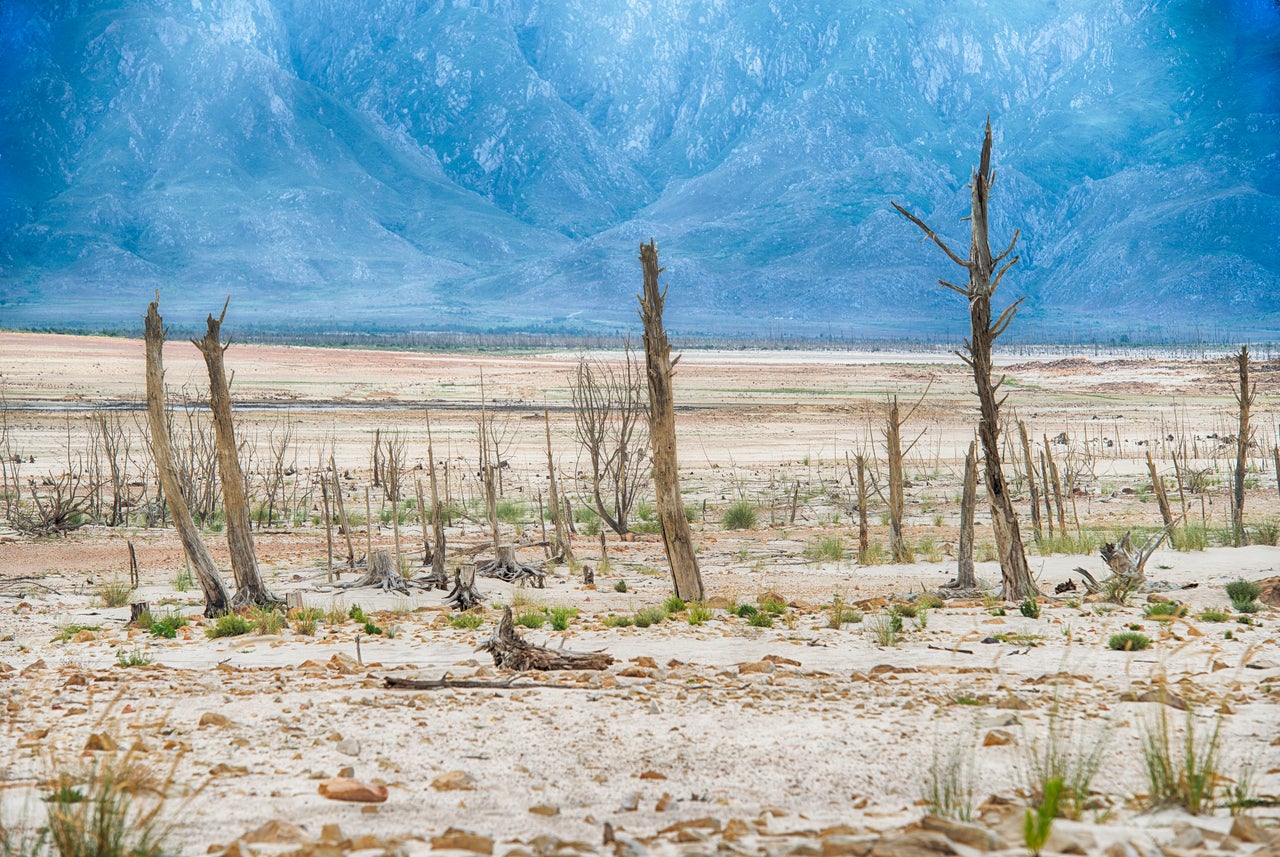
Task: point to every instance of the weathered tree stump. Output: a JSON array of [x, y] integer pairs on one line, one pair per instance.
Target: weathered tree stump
[[137, 610], [1125, 561], [513, 652], [588, 576], [382, 574], [464, 594], [509, 569]]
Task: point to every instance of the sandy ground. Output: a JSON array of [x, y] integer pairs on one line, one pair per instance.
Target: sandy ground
[[800, 738]]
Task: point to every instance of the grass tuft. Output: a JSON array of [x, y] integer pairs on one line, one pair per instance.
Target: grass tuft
[[466, 621], [114, 593], [1186, 772], [698, 614], [1129, 641], [948, 784], [740, 515], [231, 625]]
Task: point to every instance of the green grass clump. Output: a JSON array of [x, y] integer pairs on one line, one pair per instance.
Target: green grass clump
[[560, 617], [231, 625], [356, 614], [697, 614], [1030, 608], [772, 605], [929, 601], [183, 580], [114, 593], [904, 609], [113, 808], [306, 620], [1267, 533], [466, 621], [266, 620], [674, 604], [612, 621], [744, 611], [841, 614], [167, 626], [760, 619], [620, 586], [510, 511], [1164, 611], [740, 515], [829, 549], [1129, 641], [371, 629], [1244, 595], [948, 783], [1068, 753], [133, 658], [649, 616], [531, 619], [1119, 589], [1213, 614], [1038, 821], [1189, 539], [1185, 772], [885, 628]]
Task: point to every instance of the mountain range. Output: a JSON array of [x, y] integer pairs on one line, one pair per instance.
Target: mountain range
[[416, 165]]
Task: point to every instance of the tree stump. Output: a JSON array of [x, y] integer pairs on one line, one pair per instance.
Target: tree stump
[[464, 594], [509, 569], [137, 610], [382, 574], [513, 652]]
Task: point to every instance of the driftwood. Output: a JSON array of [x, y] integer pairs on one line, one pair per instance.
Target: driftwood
[[464, 594], [513, 652], [447, 683], [1124, 561], [507, 568]]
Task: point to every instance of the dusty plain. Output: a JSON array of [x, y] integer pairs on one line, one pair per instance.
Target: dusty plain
[[809, 737]]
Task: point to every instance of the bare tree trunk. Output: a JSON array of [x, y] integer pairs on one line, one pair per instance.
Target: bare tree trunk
[[1031, 481], [893, 445], [437, 522], [1157, 486], [1244, 398], [983, 282], [676, 537], [1056, 483], [342, 515], [563, 547], [864, 541], [328, 528], [965, 575], [216, 599], [1048, 502], [250, 588]]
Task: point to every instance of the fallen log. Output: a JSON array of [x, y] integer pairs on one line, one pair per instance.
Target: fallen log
[[447, 683], [513, 652]]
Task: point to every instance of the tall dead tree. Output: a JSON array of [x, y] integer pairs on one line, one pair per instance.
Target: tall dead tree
[[563, 546], [250, 588], [1157, 487], [984, 279], [1031, 480], [1244, 398], [965, 576], [437, 513], [676, 537], [216, 599]]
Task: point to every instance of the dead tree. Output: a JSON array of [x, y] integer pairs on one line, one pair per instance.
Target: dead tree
[[381, 573], [508, 568], [342, 514], [250, 588], [1244, 399], [1127, 564], [860, 485], [1031, 480], [1054, 481], [216, 600], [676, 537], [464, 595], [608, 418], [510, 651], [984, 280], [966, 579], [1157, 487], [563, 546], [437, 517]]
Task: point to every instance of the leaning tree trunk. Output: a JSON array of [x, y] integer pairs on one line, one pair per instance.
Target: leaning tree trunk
[[216, 599], [676, 537], [965, 576], [1031, 480], [1157, 487], [437, 513], [983, 282], [897, 501], [250, 588], [563, 547], [1244, 398]]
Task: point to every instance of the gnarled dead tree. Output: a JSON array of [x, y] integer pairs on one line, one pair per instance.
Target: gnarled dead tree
[[966, 579], [508, 568], [464, 595], [1244, 399], [676, 537], [512, 652], [984, 279], [1127, 563], [216, 600], [250, 588]]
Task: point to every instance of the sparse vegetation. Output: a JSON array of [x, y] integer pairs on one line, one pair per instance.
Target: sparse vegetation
[[1164, 611], [266, 620], [1213, 614], [649, 616], [1129, 641], [560, 617], [1030, 608], [697, 614], [533, 619], [827, 549], [760, 619], [619, 586], [740, 515], [133, 658], [1243, 595], [114, 593], [306, 620], [948, 784], [231, 625], [466, 621], [1183, 770]]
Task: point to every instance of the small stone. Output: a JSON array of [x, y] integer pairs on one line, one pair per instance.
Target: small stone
[[645, 661], [973, 835], [708, 824], [997, 738], [652, 775], [844, 845], [346, 771], [1248, 829], [213, 718], [631, 802], [545, 810], [344, 664], [664, 803], [1014, 703], [1065, 839], [349, 747], [919, 843], [101, 742], [275, 832], [454, 781], [85, 636], [757, 667], [331, 834], [1187, 837], [736, 828], [462, 840], [346, 789], [1121, 849]]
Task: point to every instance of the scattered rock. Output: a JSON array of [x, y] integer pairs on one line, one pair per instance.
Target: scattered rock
[[708, 824], [757, 667], [347, 789], [275, 832], [344, 664], [653, 775], [545, 810], [1013, 702], [973, 835], [918, 843], [645, 661], [844, 845], [1248, 829], [85, 636], [462, 840], [1155, 695], [780, 660], [101, 742], [1187, 837], [1067, 838], [349, 747], [998, 738], [454, 781], [213, 718]]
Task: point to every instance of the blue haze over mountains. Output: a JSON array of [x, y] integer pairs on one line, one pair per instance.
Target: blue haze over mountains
[[409, 165]]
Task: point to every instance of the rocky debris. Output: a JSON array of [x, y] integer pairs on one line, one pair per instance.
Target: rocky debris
[[454, 781], [348, 789], [972, 835], [454, 839]]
